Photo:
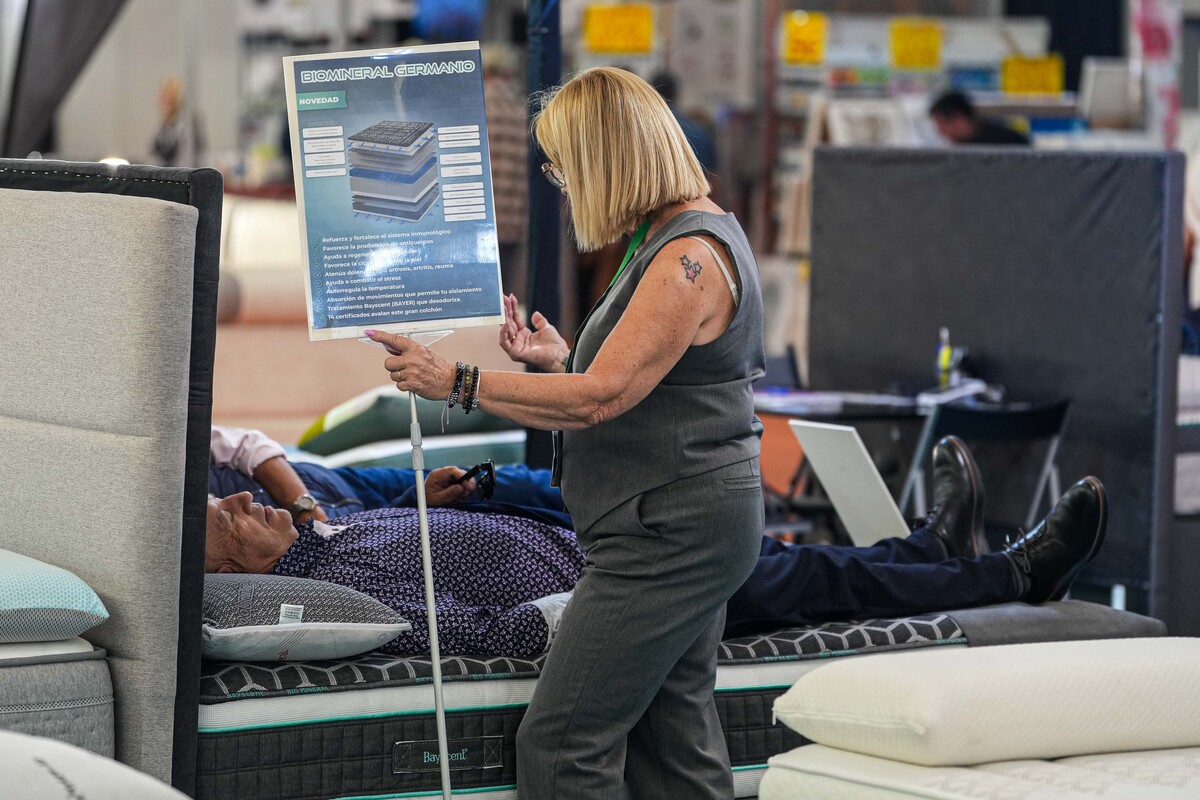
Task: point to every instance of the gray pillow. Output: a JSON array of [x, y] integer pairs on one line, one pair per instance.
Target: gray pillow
[[276, 618]]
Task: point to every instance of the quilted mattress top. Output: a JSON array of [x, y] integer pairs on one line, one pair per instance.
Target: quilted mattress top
[[222, 681], [814, 771]]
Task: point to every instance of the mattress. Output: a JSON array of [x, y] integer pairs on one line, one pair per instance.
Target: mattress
[[399, 209], [363, 185], [58, 690], [814, 772], [393, 171], [365, 728]]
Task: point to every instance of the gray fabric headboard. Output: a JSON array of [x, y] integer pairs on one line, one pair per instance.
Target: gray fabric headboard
[[1063, 274], [106, 349]]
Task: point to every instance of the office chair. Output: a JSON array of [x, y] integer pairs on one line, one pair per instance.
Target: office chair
[[996, 423]]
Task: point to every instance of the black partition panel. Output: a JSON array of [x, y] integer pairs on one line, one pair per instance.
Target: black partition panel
[[1060, 271]]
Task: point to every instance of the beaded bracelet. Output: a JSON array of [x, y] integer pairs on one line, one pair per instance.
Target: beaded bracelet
[[472, 401], [467, 383], [460, 370]]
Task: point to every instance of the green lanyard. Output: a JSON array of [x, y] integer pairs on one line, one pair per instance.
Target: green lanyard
[[638, 236]]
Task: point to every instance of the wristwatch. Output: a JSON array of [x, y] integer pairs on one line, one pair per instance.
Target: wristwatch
[[302, 504]]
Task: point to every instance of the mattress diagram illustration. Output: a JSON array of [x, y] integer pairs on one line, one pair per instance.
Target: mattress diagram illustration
[[393, 169]]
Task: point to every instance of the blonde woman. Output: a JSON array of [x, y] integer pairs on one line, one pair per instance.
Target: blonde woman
[[658, 451]]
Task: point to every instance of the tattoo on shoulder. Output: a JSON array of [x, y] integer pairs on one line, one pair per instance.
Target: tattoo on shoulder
[[691, 269]]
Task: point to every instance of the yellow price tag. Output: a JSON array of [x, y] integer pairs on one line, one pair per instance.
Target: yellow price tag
[[804, 37], [625, 29], [916, 44], [1032, 74]]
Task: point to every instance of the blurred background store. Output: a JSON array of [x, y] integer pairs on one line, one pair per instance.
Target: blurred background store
[[199, 82], [762, 82]]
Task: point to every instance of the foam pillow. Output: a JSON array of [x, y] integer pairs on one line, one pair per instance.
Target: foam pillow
[[962, 706], [50, 770], [383, 413], [276, 618], [43, 603]]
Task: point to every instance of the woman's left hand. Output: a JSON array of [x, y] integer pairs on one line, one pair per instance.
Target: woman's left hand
[[414, 367]]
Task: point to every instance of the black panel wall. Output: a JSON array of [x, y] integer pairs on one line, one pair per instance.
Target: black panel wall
[[1059, 270], [1092, 28]]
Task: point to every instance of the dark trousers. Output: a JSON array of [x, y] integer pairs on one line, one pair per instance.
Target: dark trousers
[[806, 584], [627, 689]]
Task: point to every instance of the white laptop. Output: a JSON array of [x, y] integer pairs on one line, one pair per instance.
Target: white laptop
[[854, 485]]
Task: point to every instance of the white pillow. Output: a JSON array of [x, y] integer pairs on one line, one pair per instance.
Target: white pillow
[[961, 706], [277, 618], [40, 768]]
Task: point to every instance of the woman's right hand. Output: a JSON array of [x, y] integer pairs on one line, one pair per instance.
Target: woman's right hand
[[540, 346]]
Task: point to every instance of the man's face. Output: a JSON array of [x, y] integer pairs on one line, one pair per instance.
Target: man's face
[[244, 536], [957, 128]]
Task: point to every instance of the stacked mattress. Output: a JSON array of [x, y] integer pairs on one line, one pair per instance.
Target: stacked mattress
[[365, 726], [59, 690], [393, 170], [819, 773], [1117, 719]]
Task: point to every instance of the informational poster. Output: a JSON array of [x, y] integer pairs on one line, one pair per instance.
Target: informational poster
[[707, 41], [915, 43], [1033, 75], [619, 28], [393, 184], [805, 35]]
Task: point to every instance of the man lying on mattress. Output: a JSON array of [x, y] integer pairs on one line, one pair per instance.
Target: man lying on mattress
[[503, 565]]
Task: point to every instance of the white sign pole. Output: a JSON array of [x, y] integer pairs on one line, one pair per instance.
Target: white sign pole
[[435, 653]]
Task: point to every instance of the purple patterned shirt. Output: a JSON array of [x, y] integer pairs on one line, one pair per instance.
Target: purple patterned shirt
[[486, 568]]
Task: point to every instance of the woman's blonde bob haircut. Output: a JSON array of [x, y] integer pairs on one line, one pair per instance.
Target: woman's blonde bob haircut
[[620, 150]]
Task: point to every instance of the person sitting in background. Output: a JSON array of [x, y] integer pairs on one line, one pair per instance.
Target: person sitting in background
[[958, 122], [521, 537], [667, 85]]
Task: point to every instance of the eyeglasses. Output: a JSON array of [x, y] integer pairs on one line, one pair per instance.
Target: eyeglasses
[[554, 175]]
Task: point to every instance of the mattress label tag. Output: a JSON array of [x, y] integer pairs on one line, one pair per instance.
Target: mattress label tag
[[479, 752], [290, 615]]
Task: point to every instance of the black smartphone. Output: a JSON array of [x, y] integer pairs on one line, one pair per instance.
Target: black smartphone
[[485, 479]]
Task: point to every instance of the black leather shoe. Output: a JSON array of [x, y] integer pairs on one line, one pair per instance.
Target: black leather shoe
[[1052, 554], [957, 500]]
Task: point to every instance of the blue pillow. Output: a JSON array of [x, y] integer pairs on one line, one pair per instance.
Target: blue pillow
[[43, 603]]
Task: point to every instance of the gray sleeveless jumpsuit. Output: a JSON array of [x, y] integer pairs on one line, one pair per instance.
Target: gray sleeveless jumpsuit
[[667, 504]]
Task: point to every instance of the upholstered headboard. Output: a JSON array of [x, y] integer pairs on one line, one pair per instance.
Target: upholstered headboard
[[109, 282]]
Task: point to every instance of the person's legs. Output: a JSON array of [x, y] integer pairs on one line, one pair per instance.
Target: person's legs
[[809, 585], [922, 546], [662, 759], [660, 568]]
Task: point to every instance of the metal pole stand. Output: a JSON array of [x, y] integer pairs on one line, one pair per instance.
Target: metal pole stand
[[435, 653]]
